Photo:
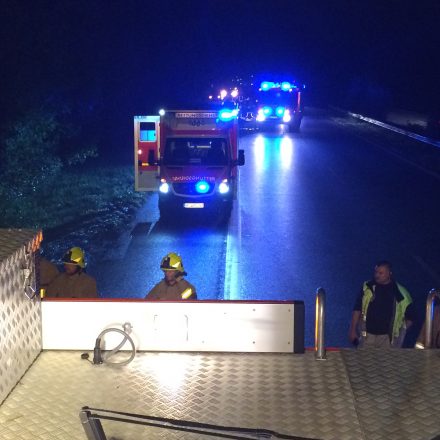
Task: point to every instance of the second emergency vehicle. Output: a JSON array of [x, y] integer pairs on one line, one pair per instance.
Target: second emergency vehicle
[[190, 157], [278, 103]]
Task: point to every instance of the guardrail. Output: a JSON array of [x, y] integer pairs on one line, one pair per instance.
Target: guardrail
[[419, 137], [320, 353], [432, 295], [407, 133]]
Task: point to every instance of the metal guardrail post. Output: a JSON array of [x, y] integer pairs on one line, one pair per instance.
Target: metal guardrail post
[[433, 294], [320, 325]]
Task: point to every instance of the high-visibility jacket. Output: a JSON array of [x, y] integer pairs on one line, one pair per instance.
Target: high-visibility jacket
[[399, 309]]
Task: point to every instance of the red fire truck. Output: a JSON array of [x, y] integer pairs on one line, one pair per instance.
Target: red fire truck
[[190, 157], [278, 103]]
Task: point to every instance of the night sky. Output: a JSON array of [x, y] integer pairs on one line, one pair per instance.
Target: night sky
[[117, 59]]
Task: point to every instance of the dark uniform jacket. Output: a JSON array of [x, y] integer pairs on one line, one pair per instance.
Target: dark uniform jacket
[[79, 285], [48, 272], [164, 291]]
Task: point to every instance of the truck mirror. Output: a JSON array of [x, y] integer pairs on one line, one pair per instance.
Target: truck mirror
[[241, 157], [151, 160]]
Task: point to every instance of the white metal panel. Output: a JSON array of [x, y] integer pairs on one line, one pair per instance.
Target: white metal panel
[[163, 326]]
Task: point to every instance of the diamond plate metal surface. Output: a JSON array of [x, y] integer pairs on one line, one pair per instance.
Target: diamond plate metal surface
[[20, 318], [397, 392], [291, 394]]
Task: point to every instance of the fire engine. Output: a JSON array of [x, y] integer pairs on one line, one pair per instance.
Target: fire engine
[[190, 157], [108, 368], [261, 102], [278, 103]]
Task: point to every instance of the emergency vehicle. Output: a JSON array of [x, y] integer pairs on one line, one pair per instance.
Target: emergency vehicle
[[278, 102], [190, 157]]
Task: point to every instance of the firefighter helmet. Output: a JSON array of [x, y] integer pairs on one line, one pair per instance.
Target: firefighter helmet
[[172, 261], [75, 256]]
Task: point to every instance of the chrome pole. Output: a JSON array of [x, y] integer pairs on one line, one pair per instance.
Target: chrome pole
[[433, 293], [320, 325]]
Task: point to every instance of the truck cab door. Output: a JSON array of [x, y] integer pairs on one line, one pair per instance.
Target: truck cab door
[[146, 152]]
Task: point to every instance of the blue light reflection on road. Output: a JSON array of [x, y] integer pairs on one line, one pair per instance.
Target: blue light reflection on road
[[286, 153], [266, 201], [273, 152]]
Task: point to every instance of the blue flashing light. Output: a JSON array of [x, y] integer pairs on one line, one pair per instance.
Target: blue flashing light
[[267, 111], [227, 114], [286, 86], [280, 111], [266, 85], [202, 187]]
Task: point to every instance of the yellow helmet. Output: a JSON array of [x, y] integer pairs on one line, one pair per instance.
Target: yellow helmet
[[75, 256], [172, 261]]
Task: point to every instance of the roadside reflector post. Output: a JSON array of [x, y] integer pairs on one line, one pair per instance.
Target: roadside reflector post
[[320, 325]]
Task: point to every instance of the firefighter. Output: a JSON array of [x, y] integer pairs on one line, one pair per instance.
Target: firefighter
[[48, 272], [73, 282], [173, 287]]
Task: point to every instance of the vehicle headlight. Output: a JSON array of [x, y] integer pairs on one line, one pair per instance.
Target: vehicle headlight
[[164, 188], [260, 116], [286, 116], [223, 188]]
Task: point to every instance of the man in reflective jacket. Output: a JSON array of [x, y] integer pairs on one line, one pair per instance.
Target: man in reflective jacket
[[173, 287], [382, 312]]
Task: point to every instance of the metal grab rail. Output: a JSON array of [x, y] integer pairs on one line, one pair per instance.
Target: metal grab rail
[[91, 422], [320, 325], [433, 294]]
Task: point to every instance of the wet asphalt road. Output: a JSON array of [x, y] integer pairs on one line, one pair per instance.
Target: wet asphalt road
[[316, 208]]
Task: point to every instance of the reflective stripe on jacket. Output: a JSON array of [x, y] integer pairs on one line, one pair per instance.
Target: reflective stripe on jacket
[[180, 290], [399, 314]]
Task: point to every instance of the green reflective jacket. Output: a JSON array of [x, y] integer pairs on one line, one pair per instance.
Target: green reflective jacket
[[399, 315]]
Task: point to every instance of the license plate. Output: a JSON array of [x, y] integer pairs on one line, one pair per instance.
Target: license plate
[[194, 205]]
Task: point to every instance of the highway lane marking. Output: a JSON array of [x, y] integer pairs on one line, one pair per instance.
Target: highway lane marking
[[232, 283]]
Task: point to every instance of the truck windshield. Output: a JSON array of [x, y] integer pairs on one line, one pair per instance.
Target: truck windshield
[[195, 151], [277, 97]]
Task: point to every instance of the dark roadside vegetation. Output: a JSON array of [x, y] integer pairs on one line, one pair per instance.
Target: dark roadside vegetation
[[54, 178]]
